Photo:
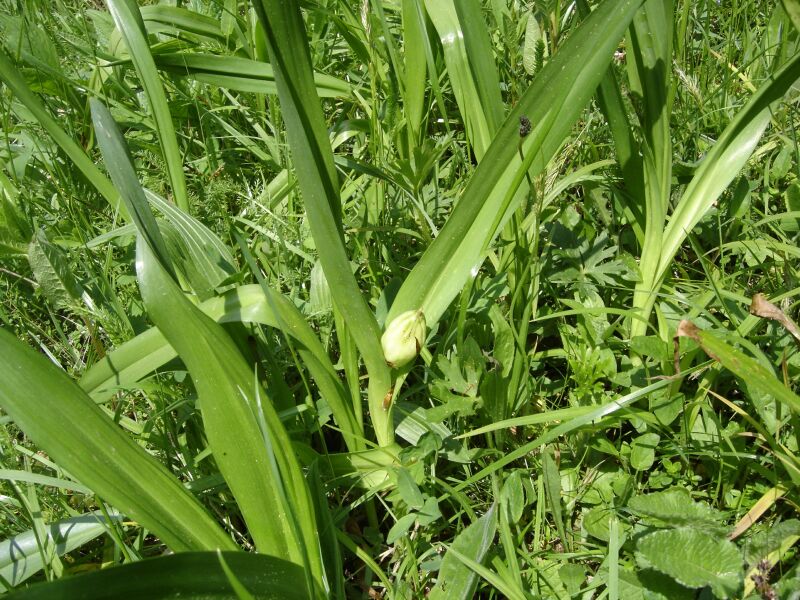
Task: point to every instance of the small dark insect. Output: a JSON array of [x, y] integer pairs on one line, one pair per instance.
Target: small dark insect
[[524, 126]]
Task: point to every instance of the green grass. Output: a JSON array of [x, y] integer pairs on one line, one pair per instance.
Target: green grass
[[211, 212]]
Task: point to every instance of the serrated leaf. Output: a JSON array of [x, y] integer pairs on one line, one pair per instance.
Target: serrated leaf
[[693, 558], [53, 272], [674, 507], [533, 33], [457, 580]]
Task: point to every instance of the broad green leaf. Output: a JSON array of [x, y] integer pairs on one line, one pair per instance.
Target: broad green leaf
[[45, 403], [313, 160], [643, 451], [553, 102], [693, 558], [129, 22], [193, 576], [241, 74], [457, 580], [21, 557], [674, 507]]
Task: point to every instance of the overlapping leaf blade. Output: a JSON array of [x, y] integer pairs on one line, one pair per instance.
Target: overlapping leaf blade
[[189, 575], [553, 102], [59, 416], [313, 161], [242, 427], [129, 22]]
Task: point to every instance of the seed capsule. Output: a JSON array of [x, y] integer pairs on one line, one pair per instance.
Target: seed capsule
[[403, 338]]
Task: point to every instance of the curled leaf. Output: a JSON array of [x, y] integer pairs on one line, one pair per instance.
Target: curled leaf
[[761, 307]]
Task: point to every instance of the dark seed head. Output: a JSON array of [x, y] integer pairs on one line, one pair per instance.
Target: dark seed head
[[524, 126]]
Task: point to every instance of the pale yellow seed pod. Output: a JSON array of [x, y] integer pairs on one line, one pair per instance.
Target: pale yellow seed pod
[[403, 338]]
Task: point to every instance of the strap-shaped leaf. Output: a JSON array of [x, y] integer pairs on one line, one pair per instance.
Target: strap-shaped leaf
[[649, 71], [243, 430], [313, 160], [59, 416], [21, 556], [129, 22], [207, 575], [470, 65], [552, 103], [241, 74], [150, 350]]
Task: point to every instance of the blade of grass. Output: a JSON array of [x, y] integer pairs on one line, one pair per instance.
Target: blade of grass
[[16, 83], [593, 417]]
